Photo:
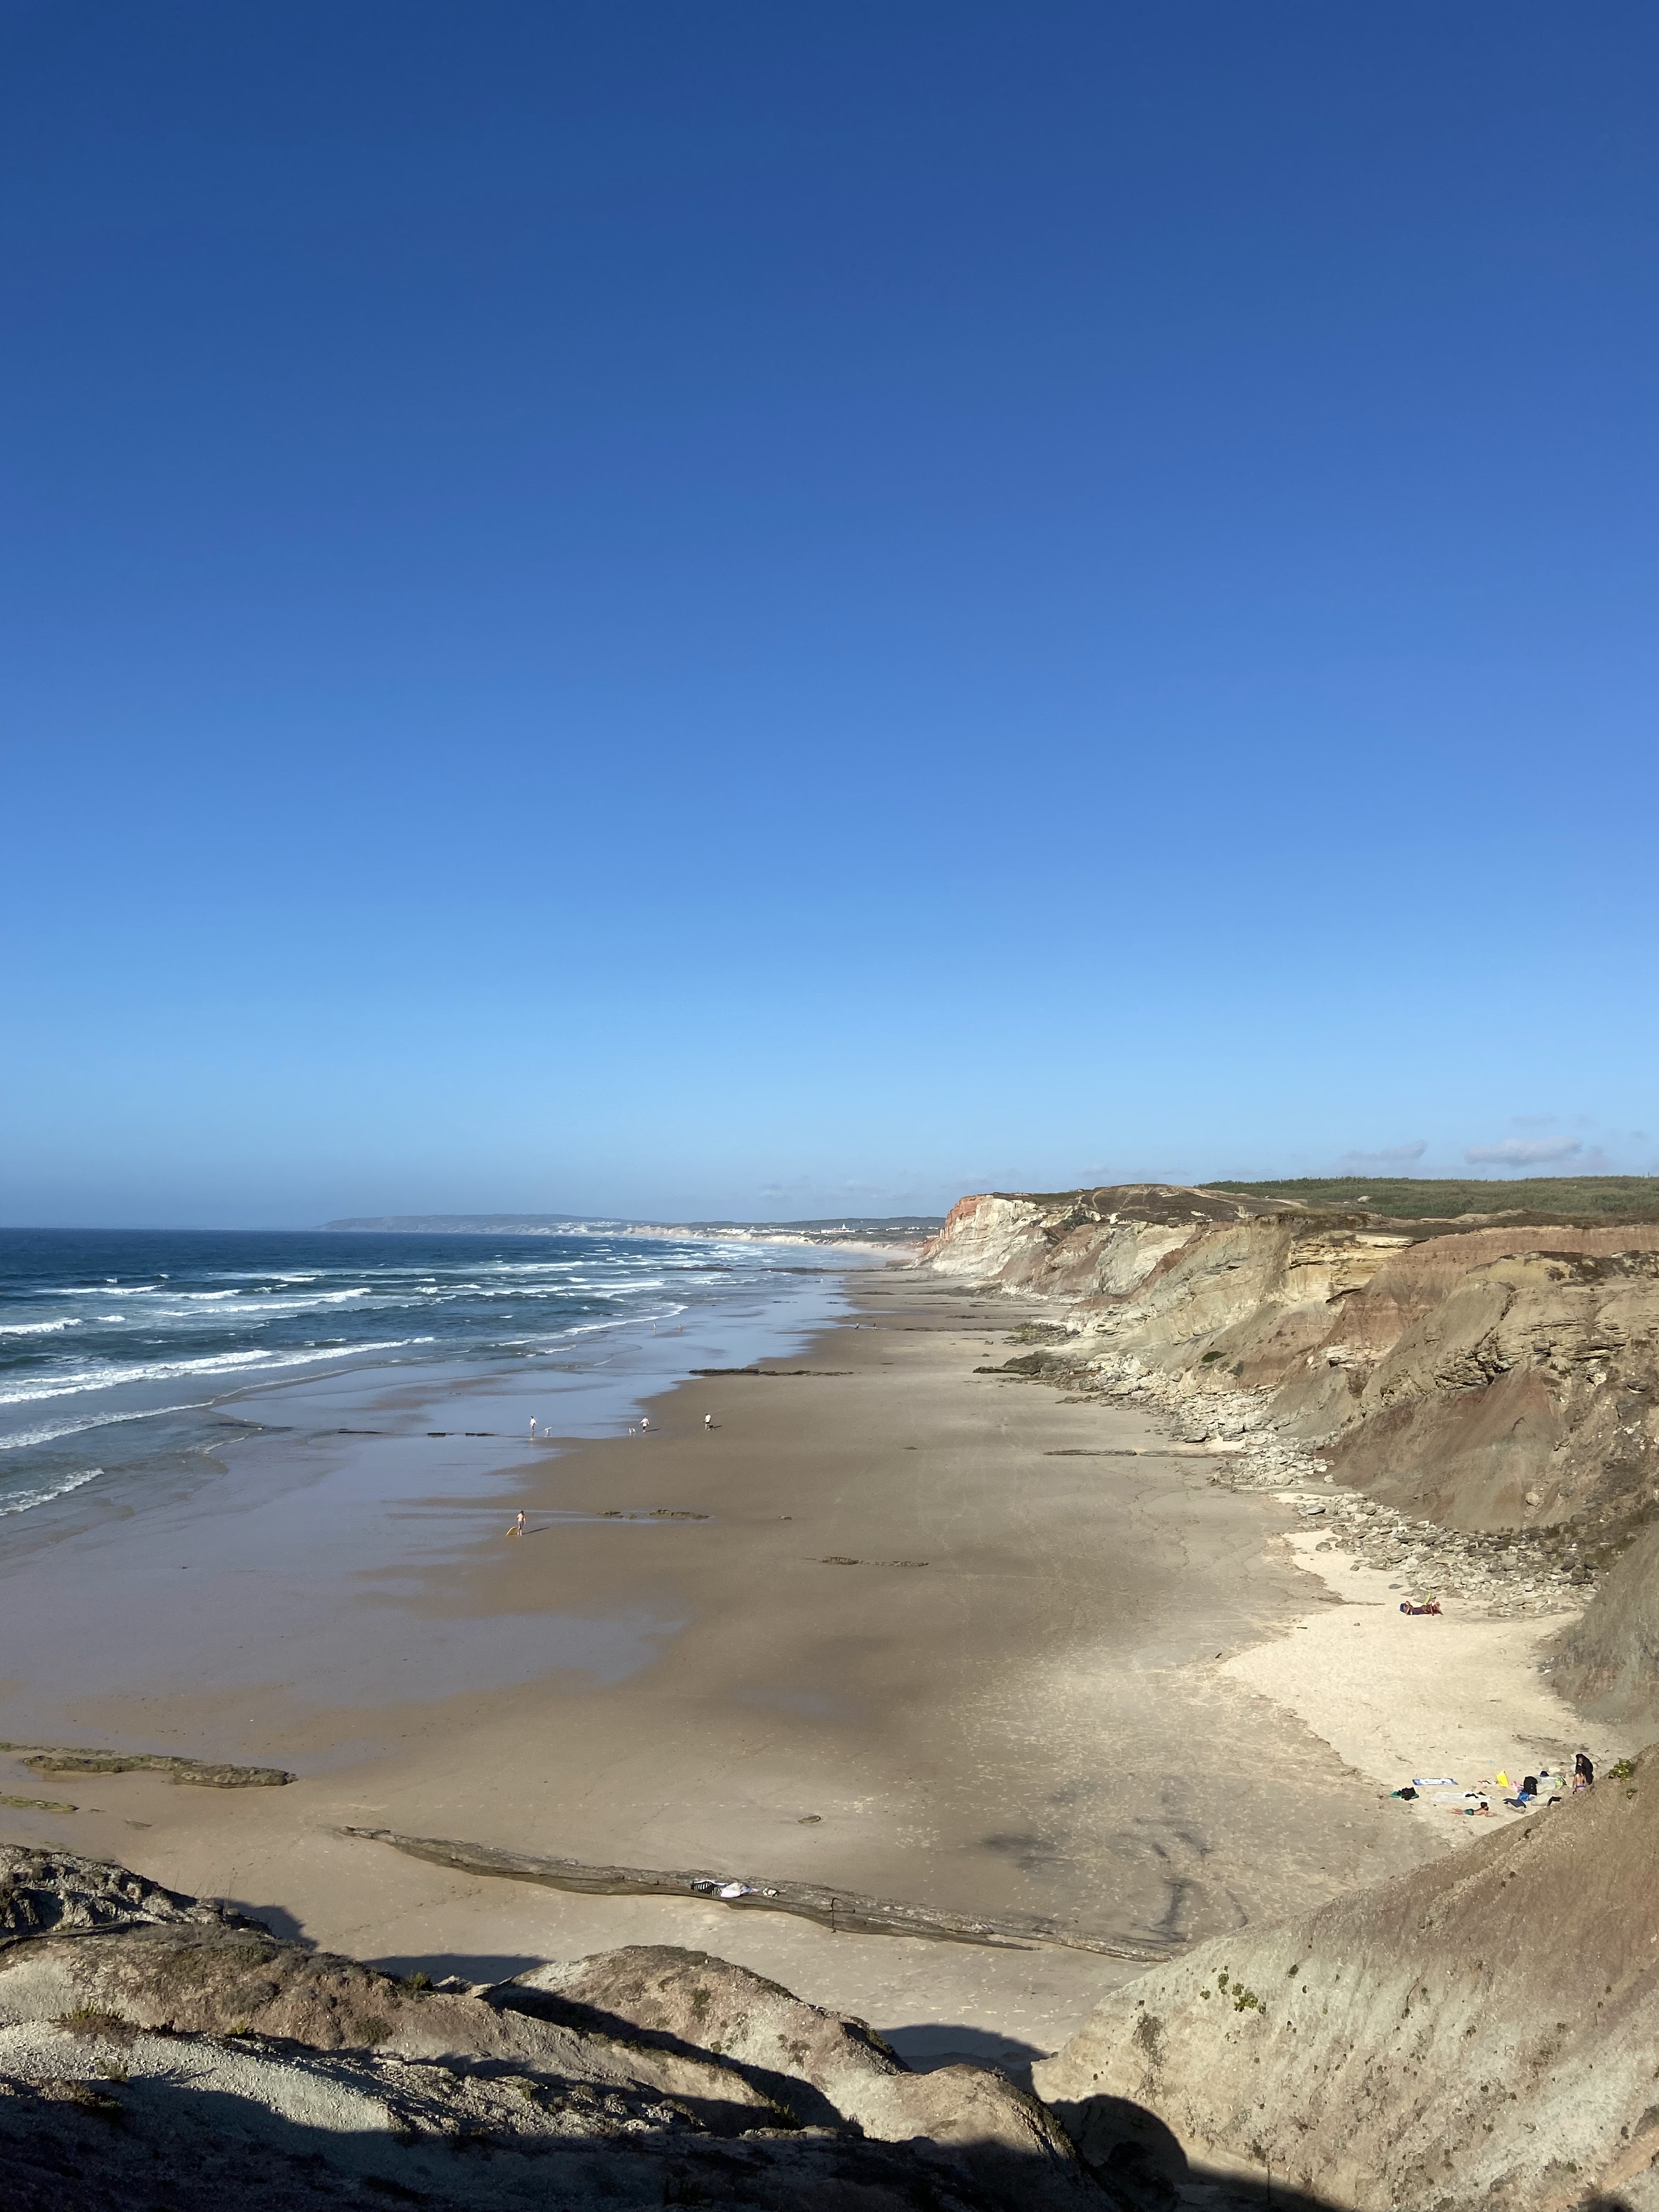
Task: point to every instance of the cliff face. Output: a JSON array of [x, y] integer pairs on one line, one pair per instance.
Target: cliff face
[[1499, 1376], [1480, 2031]]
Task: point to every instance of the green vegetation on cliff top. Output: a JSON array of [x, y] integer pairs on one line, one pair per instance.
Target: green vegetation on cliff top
[[1410, 1198]]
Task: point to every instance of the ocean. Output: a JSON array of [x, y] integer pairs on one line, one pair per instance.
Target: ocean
[[130, 1359]]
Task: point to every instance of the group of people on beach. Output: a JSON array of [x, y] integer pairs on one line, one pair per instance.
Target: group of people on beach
[[1532, 1786], [1543, 1788], [518, 1526]]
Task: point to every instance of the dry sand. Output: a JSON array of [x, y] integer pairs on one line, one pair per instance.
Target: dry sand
[[941, 1638], [1453, 1695]]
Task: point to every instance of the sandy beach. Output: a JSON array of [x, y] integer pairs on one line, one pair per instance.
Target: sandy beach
[[888, 1624]]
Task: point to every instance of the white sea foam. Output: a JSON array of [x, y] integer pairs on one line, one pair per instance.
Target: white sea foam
[[38, 1327], [170, 1370], [21, 1503], [55, 1433]]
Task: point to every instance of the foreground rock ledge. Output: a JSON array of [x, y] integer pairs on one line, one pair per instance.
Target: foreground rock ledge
[[159, 2050]]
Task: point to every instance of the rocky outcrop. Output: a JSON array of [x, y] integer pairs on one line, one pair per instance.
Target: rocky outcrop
[[1481, 2029], [815, 2065], [156, 2049], [842, 1911], [200, 1773], [1498, 1380], [48, 1892]]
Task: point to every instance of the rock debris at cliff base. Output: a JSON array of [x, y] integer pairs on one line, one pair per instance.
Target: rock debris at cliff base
[[1506, 1573]]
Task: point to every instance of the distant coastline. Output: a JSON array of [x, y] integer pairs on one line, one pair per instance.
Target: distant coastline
[[853, 1233]]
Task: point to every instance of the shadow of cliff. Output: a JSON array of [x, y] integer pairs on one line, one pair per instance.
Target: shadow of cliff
[[475, 1966], [437, 1965], [926, 2045], [278, 1918]]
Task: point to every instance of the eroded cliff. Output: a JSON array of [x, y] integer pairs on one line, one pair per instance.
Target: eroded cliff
[[1485, 1374]]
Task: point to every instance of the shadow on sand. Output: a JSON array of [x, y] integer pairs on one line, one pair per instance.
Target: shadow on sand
[[925, 2046]]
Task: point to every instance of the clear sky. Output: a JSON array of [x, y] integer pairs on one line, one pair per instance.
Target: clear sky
[[703, 606]]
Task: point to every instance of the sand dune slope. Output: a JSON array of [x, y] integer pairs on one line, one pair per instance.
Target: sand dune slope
[[1485, 2028]]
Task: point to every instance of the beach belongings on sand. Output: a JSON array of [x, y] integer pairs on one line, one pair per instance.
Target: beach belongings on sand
[[1407, 1792], [1434, 1782], [1531, 1792], [1405, 1606]]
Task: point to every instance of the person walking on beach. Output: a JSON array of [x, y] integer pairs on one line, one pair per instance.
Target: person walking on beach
[[645, 1422], [707, 1423], [532, 1427], [517, 1529]]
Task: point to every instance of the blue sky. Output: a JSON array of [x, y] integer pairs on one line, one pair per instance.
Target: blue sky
[[709, 608]]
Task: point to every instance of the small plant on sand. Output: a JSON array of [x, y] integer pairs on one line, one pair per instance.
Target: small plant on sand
[[94, 2101], [92, 2019]]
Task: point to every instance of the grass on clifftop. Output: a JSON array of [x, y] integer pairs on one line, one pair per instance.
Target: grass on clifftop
[[1410, 1198]]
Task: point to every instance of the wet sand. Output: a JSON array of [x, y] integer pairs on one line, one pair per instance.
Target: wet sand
[[891, 1625]]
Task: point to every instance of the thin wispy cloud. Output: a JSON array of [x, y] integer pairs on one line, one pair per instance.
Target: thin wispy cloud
[[1525, 1153], [1393, 1159]]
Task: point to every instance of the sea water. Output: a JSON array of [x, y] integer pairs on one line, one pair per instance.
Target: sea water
[[129, 1357]]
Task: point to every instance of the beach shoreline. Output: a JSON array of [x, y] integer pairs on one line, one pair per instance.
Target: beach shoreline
[[888, 1624]]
